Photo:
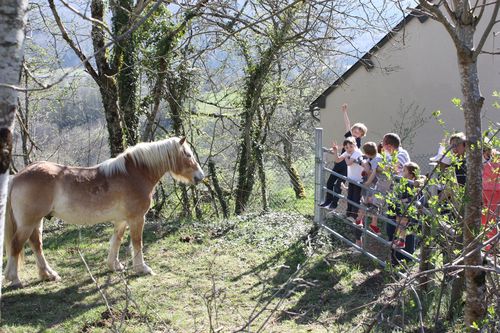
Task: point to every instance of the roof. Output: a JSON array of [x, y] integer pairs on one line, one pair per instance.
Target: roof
[[365, 60]]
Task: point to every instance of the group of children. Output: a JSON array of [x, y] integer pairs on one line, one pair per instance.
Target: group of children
[[377, 167]]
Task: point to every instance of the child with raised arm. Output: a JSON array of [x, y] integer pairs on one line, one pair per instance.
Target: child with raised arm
[[334, 183]]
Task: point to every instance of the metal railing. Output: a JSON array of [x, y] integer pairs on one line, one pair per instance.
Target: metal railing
[[319, 216]]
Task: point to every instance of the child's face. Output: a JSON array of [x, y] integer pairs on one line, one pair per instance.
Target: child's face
[[387, 148], [487, 154], [458, 148], [349, 148], [357, 133], [370, 156], [407, 174]]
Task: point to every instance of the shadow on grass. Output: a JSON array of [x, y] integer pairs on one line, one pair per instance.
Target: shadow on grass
[[35, 306], [326, 291], [71, 235], [323, 288]]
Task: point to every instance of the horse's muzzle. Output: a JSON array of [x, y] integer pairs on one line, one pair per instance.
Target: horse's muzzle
[[198, 177]]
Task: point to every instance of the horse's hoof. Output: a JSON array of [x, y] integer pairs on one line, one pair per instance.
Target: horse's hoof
[[143, 270], [116, 267], [16, 285], [49, 276]]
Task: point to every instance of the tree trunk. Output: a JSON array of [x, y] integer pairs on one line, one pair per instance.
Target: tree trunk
[[246, 165], [262, 177], [286, 162], [106, 82], [247, 161], [251, 137], [12, 26], [218, 190], [475, 279], [24, 125], [125, 59], [149, 130], [196, 203], [109, 94], [186, 204], [425, 255]]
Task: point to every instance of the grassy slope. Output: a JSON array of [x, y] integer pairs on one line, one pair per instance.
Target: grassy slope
[[208, 276]]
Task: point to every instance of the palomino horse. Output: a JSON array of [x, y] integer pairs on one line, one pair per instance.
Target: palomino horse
[[118, 190]]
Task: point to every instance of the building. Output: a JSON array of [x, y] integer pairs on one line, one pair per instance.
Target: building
[[397, 85]]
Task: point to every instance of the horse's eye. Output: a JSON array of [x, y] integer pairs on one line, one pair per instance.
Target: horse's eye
[[188, 155]]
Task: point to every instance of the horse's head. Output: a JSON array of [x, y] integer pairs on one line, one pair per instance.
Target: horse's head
[[187, 169]]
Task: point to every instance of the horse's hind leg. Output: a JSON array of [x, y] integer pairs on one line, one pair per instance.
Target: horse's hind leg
[[45, 272], [136, 227], [114, 246], [11, 270]]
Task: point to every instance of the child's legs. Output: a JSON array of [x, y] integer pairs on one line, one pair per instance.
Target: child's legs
[[410, 241], [329, 185], [369, 202], [401, 228], [353, 194], [390, 229], [361, 214], [337, 189]]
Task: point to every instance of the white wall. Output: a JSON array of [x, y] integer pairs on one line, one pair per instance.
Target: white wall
[[417, 66]]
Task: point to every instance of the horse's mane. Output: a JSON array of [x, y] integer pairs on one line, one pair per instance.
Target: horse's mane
[[158, 157]]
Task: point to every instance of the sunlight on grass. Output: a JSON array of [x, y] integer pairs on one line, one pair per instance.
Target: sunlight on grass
[[208, 275]]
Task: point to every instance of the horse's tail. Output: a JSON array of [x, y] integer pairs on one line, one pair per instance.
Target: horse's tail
[[10, 226]]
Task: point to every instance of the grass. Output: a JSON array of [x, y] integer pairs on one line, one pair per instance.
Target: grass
[[210, 277]]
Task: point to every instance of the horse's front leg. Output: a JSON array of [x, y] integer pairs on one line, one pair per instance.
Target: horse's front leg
[[114, 246], [136, 228]]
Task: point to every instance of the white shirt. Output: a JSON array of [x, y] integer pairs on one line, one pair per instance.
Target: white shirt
[[354, 170], [403, 158], [375, 161]]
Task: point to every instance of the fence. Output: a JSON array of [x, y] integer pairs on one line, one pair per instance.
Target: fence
[[319, 215]]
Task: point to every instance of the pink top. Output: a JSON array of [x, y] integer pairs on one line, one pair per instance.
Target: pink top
[[491, 176]]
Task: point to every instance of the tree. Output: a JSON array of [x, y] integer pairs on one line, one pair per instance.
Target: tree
[[115, 72], [12, 25], [461, 20], [285, 31]]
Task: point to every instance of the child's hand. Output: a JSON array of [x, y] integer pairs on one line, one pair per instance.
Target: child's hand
[[344, 108], [335, 147]]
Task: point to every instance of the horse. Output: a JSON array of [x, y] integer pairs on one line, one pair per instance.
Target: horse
[[118, 190]]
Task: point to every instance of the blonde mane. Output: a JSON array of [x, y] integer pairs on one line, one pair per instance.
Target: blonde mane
[[159, 157]]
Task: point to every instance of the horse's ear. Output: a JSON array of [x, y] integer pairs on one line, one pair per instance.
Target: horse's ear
[[183, 139]]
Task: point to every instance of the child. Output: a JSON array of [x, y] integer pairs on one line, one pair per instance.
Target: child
[[393, 150], [411, 173], [354, 170], [334, 183], [370, 179]]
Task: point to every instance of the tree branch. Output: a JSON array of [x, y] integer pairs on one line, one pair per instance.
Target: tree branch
[[70, 42], [487, 30], [438, 15]]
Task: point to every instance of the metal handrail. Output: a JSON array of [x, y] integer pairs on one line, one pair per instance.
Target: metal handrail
[[319, 213], [380, 217]]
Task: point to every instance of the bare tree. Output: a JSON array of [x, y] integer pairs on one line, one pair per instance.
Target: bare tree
[[460, 18], [12, 25]]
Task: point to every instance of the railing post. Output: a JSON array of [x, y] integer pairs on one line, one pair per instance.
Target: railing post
[[318, 176]]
